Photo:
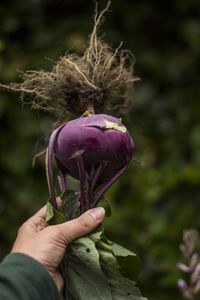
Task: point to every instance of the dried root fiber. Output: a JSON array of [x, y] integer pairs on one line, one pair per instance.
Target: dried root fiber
[[79, 83]]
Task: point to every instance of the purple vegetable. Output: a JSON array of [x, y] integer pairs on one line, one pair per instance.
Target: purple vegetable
[[94, 149]]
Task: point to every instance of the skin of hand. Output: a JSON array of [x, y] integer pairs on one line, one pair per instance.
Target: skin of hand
[[47, 244]]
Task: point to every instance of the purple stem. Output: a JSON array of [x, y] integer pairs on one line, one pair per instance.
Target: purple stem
[[62, 182], [84, 204], [106, 186], [49, 164], [92, 173], [96, 176]]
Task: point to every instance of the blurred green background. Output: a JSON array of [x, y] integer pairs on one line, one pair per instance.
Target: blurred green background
[[153, 203]]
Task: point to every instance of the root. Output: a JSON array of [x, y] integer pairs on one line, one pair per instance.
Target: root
[[97, 79]]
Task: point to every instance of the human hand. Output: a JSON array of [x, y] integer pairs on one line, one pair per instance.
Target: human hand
[[47, 244]]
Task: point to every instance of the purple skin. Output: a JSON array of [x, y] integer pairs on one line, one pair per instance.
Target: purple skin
[[91, 151]]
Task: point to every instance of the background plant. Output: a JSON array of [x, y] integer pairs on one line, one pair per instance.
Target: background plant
[[190, 285], [151, 204]]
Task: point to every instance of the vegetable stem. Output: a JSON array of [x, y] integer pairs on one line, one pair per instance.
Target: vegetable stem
[[96, 176], [106, 186], [84, 201], [62, 182], [90, 108], [49, 165]]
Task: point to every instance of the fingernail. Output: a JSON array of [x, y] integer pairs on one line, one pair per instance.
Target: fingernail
[[97, 213]]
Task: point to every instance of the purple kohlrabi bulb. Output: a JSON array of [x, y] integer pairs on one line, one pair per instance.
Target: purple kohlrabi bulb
[[94, 149]]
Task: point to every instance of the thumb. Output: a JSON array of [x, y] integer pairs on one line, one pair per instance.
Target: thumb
[[82, 225]]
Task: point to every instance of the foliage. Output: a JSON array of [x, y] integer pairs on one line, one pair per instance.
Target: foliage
[[190, 287], [153, 203], [93, 270], [94, 267]]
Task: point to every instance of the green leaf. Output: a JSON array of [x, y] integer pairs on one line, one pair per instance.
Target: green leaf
[[121, 251], [92, 270], [54, 216], [84, 277], [68, 210], [70, 205], [125, 259], [121, 287]]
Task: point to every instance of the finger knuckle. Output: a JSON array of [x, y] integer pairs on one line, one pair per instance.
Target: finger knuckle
[[83, 223]]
